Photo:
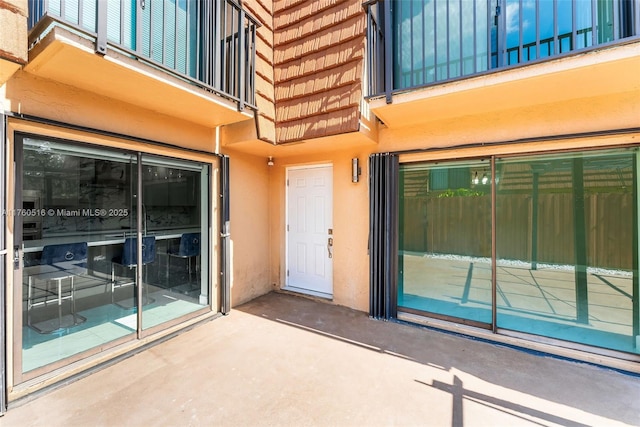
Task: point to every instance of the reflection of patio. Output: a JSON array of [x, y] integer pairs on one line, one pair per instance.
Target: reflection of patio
[[449, 287], [538, 301]]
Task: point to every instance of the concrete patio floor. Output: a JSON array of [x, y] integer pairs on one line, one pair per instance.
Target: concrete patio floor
[[288, 360]]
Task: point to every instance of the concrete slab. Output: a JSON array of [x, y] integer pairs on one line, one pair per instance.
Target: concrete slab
[[288, 360]]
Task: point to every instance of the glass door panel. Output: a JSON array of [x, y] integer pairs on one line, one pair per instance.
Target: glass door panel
[[74, 213], [566, 232], [445, 239], [175, 230]]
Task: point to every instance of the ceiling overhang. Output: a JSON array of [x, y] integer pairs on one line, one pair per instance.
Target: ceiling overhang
[[69, 58], [587, 75]]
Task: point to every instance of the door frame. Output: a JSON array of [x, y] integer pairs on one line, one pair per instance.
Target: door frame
[[286, 232], [3, 261]]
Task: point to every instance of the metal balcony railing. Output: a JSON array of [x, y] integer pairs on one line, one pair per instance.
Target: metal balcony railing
[[412, 44], [211, 44]]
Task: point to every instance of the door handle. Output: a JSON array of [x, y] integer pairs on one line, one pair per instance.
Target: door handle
[[17, 257], [329, 246]]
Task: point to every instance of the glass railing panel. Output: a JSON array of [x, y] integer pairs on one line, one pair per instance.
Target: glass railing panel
[[564, 26], [113, 18], [512, 31], [54, 6], [170, 34], [584, 21], [454, 40], [212, 44], [121, 23], [192, 61], [480, 27], [438, 41], [529, 17], [183, 42], [546, 29], [88, 15], [70, 11], [158, 29], [605, 21], [468, 37], [440, 36]]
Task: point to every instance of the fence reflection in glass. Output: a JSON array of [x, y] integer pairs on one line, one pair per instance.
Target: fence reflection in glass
[[566, 233]]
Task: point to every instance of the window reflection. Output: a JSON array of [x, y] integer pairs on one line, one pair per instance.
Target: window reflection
[[565, 244], [566, 241], [80, 241], [445, 239], [440, 40]]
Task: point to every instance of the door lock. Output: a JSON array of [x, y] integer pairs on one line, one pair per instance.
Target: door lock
[[17, 257]]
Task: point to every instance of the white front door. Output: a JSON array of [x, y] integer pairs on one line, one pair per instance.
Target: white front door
[[310, 230]]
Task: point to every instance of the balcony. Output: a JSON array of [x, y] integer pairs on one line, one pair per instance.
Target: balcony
[[424, 52], [198, 55]]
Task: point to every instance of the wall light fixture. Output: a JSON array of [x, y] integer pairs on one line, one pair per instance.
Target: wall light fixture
[[355, 170]]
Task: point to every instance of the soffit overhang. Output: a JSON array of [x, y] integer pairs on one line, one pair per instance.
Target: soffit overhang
[[592, 74], [68, 58]]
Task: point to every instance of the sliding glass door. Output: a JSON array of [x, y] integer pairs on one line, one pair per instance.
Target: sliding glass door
[[565, 261], [175, 224], [445, 240], [100, 234]]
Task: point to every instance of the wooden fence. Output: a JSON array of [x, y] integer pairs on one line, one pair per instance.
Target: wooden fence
[[462, 226]]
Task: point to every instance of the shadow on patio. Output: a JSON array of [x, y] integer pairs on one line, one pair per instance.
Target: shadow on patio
[[288, 360], [477, 382]]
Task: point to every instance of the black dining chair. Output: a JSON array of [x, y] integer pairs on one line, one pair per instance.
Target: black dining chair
[[189, 248], [129, 259]]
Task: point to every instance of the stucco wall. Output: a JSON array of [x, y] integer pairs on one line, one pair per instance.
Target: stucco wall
[[350, 224], [581, 115], [34, 96], [249, 197]]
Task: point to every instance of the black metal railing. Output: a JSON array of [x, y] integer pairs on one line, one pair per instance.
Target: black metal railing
[[211, 44], [375, 49], [422, 42]]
